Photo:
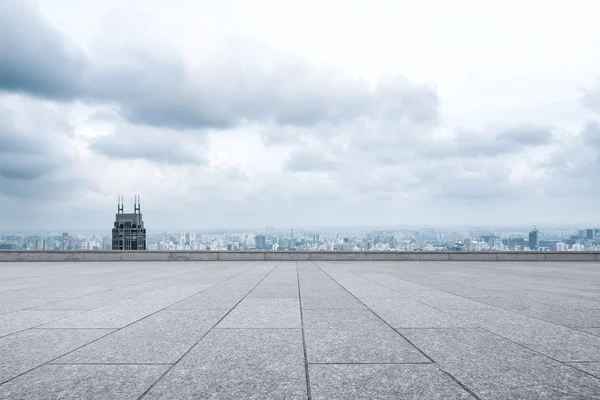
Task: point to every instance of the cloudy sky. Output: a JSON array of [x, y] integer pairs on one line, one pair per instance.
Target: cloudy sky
[[235, 113]]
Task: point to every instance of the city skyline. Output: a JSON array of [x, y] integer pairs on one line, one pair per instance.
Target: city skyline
[[225, 114]]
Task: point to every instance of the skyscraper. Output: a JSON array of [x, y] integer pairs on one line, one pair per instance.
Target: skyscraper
[[129, 232], [260, 241], [533, 239]]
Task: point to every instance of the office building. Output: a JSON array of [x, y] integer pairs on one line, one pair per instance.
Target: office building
[[533, 239], [260, 242], [128, 232]]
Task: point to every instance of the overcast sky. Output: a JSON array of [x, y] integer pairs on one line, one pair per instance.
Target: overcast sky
[[235, 113]]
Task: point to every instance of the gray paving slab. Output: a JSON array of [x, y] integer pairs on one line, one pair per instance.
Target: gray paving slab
[[264, 313], [561, 343], [78, 382], [410, 313], [257, 364], [447, 301], [274, 291], [333, 382], [496, 368], [161, 338], [329, 300], [354, 336], [128, 311], [24, 319], [514, 327], [31, 348]]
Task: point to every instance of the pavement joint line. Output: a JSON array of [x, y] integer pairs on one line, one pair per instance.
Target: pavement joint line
[[520, 312], [306, 369], [487, 330], [113, 331], [462, 385], [107, 363], [371, 363], [207, 332]]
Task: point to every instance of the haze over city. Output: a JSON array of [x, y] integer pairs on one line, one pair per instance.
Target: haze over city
[[236, 115]]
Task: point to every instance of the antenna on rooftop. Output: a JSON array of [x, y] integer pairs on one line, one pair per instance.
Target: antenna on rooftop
[[120, 204], [136, 205]]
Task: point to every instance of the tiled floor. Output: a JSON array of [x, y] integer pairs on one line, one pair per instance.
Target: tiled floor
[[298, 330]]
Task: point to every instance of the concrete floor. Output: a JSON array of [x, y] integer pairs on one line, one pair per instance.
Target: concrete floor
[[297, 330]]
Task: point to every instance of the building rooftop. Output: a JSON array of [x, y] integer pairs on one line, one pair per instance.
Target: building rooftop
[[297, 330]]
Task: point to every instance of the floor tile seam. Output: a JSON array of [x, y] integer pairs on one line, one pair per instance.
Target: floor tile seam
[[101, 337], [106, 363], [206, 333], [218, 283], [47, 322], [499, 308], [304, 349], [123, 299], [458, 382], [372, 363], [417, 300], [381, 319]]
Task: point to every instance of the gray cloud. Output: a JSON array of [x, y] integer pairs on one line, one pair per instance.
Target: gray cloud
[[156, 88], [591, 135], [32, 165], [591, 97], [309, 161], [152, 145], [36, 58]]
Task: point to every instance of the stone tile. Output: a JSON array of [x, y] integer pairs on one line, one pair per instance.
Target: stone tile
[[354, 336], [566, 316], [496, 368], [410, 313], [29, 349], [258, 364], [332, 382], [446, 301], [223, 297], [329, 300], [558, 342], [19, 320], [264, 313], [83, 382], [126, 312], [8, 305], [372, 290], [88, 302], [592, 368], [275, 291], [161, 338]]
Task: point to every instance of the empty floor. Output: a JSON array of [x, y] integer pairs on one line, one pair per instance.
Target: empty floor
[[298, 330]]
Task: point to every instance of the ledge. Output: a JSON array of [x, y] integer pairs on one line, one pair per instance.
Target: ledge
[[78, 256]]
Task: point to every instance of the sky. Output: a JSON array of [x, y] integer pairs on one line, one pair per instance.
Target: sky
[[238, 114]]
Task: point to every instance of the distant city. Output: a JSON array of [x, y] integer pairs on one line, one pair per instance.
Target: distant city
[[272, 239], [129, 233]]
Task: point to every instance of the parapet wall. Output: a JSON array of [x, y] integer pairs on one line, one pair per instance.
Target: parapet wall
[[79, 256]]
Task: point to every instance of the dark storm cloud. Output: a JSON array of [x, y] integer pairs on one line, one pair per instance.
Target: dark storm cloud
[[154, 87]]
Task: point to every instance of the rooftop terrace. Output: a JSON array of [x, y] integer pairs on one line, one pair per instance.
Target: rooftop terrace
[[300, 329]]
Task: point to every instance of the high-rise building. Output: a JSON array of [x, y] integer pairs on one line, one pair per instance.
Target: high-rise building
[[129, 232], [533, 239], [260, 242], [65, 241]]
